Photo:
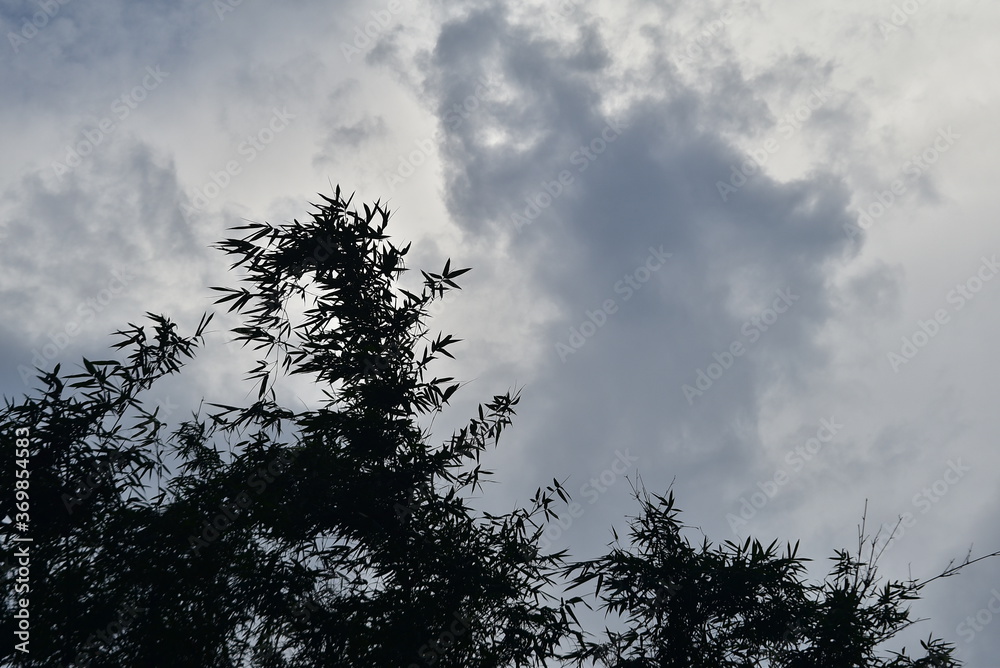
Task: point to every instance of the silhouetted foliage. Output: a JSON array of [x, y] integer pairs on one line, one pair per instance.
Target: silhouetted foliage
[[341, 535], [337, 536], [743, 605]]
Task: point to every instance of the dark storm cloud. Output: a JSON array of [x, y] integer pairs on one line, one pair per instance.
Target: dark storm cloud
[[646, 179], [583, 207]]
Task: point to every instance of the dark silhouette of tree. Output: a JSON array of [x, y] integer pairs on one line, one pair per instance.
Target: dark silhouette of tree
[[745, 605], [337, 537], [341, 535]]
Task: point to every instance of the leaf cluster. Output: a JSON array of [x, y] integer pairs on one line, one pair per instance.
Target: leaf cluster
[[342, 534]]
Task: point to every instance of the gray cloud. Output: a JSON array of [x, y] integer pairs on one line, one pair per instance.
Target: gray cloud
[[606, 131]]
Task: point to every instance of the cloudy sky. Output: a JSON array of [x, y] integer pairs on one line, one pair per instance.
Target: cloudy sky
[[744, 246]]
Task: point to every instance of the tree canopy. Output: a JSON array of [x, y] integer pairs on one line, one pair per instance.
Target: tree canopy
[[342, 534]]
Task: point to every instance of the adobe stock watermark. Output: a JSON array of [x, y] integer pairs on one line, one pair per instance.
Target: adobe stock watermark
[[247, 151], [796, 460], [303, 608], [121, 108], [223, 7], [664, 592], [629, 284], [974, 624], [752, 329], [791, 123], [230, 511], [924, 500], [582, 158], [408, 164], [592, 491], [432, 651], [699, 43], [83, 486], [958, 296], [561, 10], [900, 16], [36, 22], [97, 641], [86, 311], [365, 35], [913, 168]]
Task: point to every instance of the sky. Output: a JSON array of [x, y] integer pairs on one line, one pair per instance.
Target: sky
[[745, 249]]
